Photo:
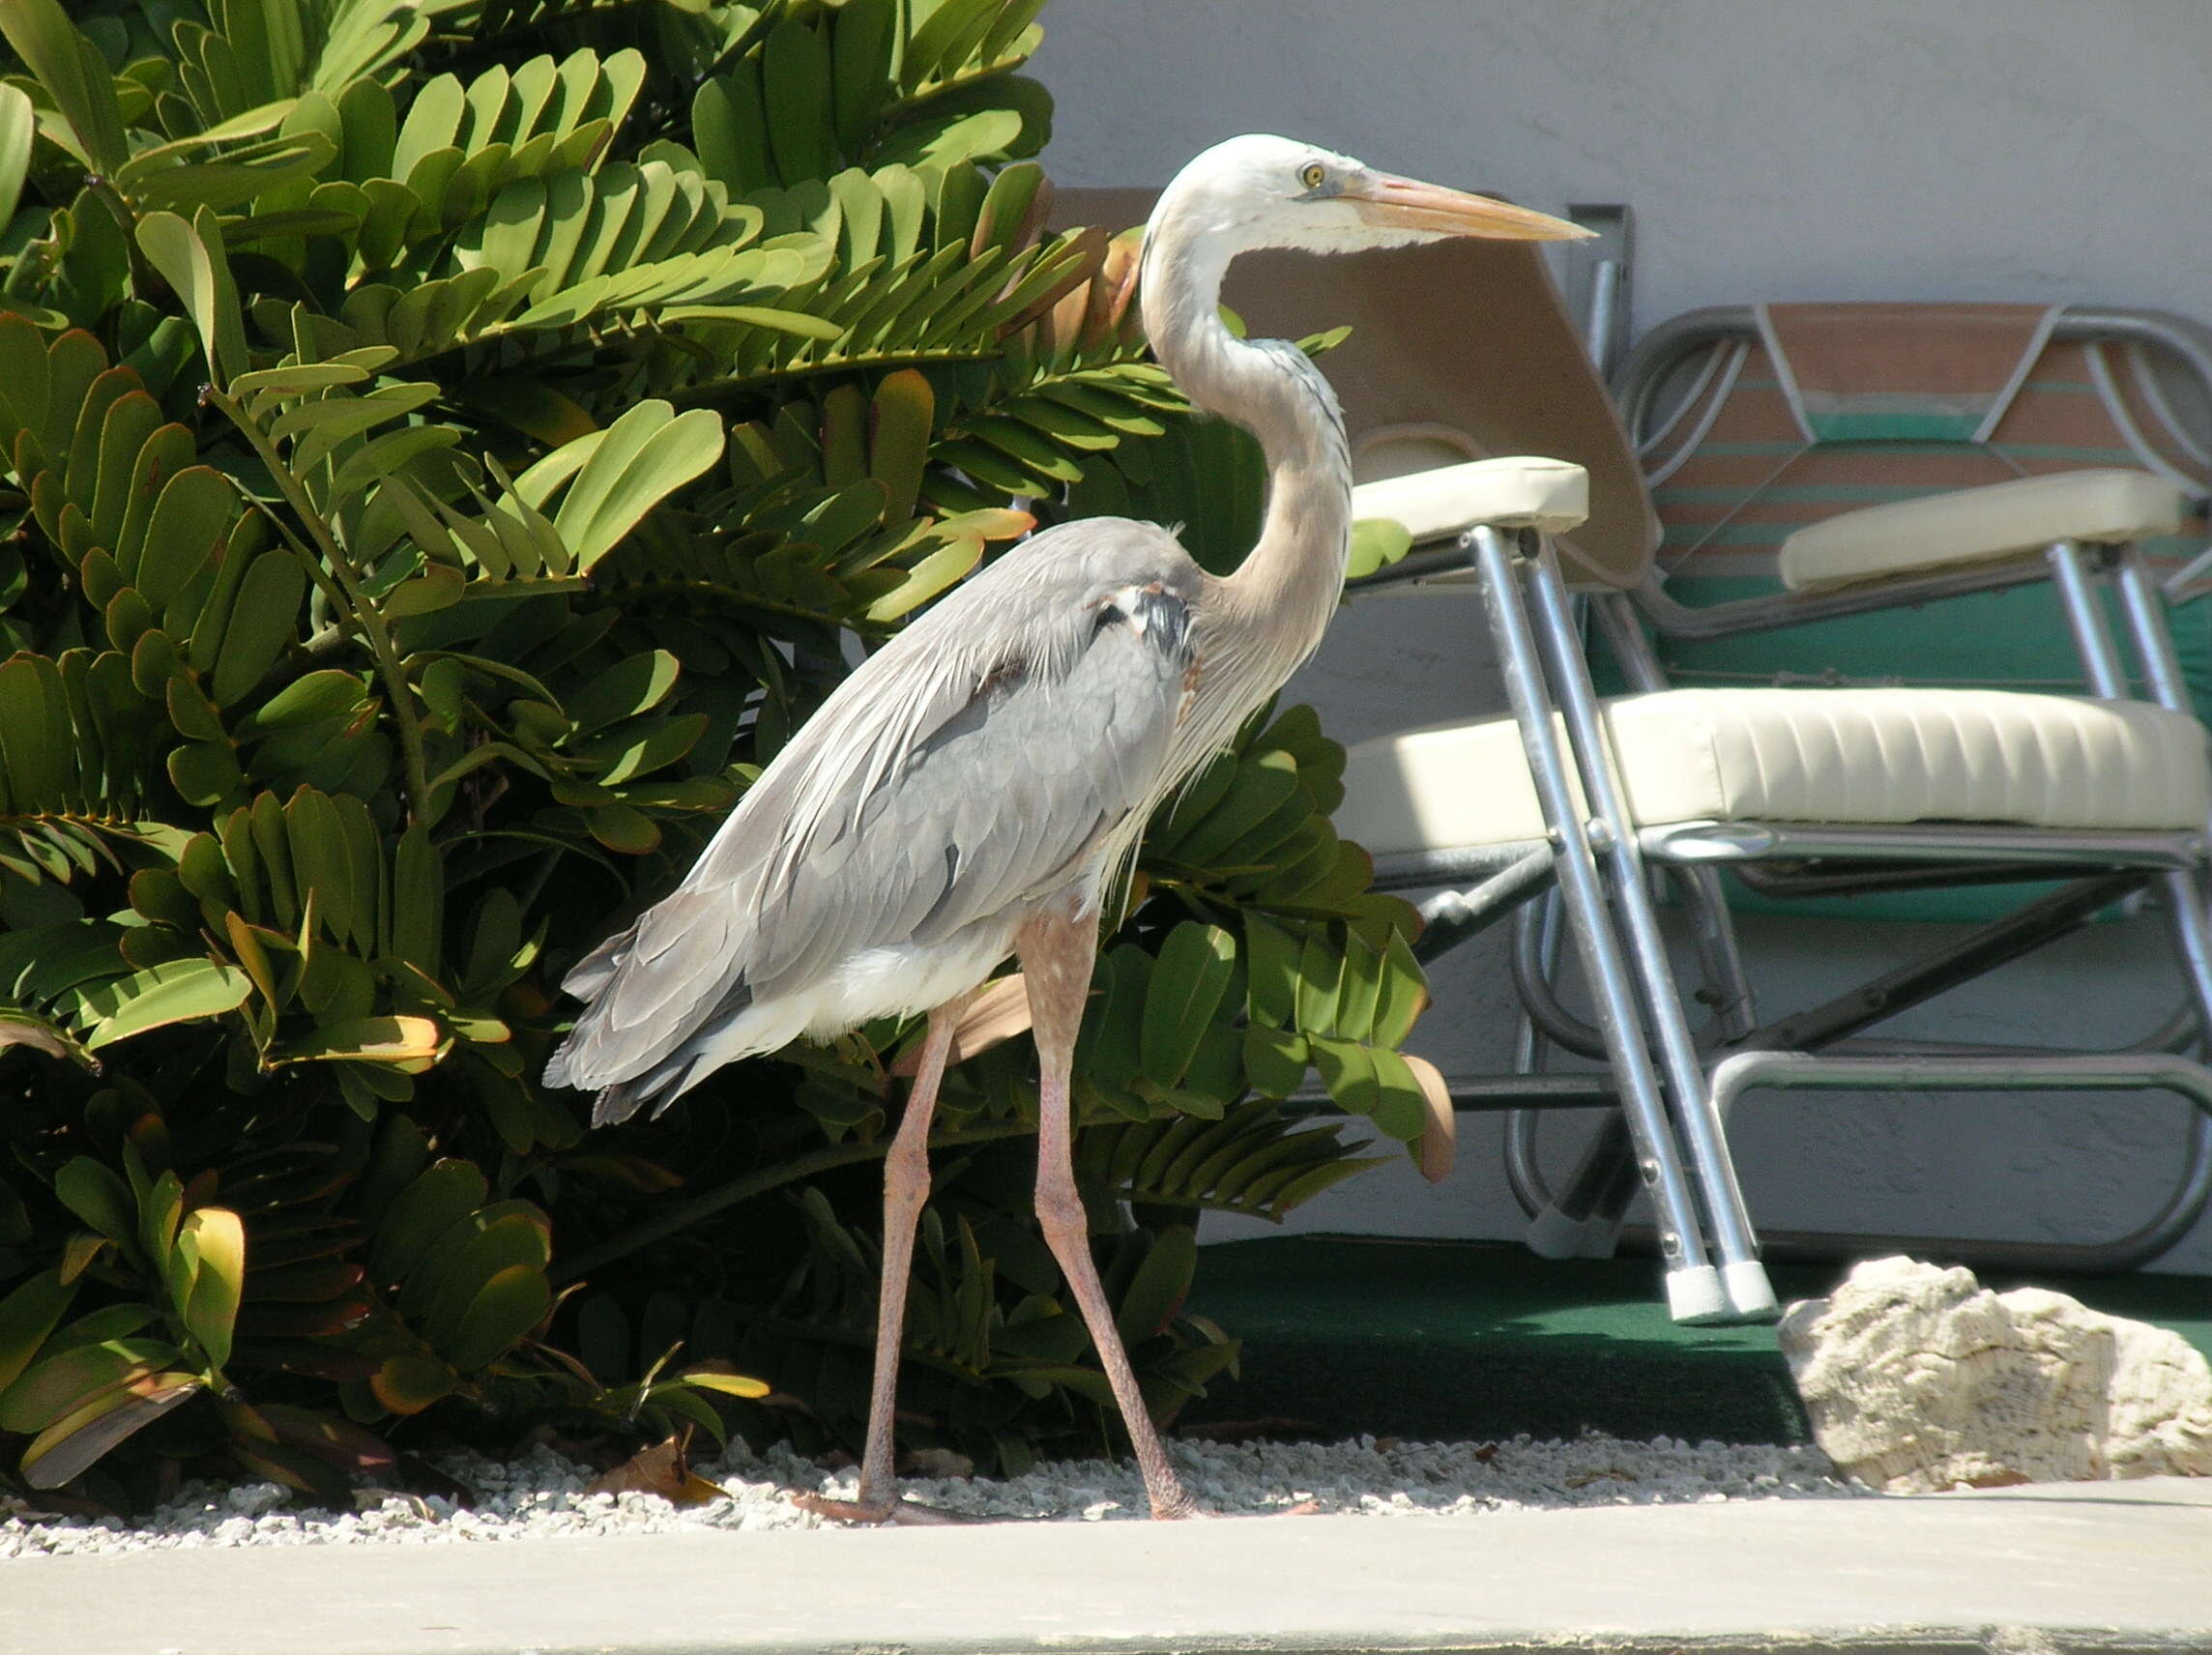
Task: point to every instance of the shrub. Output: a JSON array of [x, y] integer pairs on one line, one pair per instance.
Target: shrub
[[450, 447]]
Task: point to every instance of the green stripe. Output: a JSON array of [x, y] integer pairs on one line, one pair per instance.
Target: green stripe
[[1895, 425], [1718, 494]]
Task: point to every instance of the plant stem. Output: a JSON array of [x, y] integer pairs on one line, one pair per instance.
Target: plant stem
[[145, 280], [331, 567], [685, 1213]]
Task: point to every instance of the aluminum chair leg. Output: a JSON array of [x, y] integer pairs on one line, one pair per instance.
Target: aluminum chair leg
[[2145, 616], [2070, 572], [2161, 674], [1744, 1285], [2192, 939], [1694, 1286], [1584, 1218]]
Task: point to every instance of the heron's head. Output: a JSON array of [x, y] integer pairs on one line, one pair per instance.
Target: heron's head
[[1262, 191]]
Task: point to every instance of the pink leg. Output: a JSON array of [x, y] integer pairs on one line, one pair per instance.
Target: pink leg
[[1057, 952], [906, 1186]]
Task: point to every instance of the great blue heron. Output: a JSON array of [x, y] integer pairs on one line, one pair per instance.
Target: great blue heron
[[970, 791]]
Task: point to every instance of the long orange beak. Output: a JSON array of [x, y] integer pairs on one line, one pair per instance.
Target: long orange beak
[[1407, 204]]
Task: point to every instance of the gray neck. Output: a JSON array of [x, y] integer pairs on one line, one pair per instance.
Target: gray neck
[[1275, 607]]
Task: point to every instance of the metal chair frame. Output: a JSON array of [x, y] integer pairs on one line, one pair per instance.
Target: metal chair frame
[[1671, 1093]]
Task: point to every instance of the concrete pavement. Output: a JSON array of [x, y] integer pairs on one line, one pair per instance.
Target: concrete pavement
[[2110, 1566]]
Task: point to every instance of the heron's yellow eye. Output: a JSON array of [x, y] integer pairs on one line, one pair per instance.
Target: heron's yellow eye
[[1311, 174]]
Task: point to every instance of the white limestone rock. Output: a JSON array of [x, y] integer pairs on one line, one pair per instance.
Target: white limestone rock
[[1917, 1379]]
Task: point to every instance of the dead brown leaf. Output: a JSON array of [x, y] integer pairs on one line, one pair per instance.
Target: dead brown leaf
[[1440, 1137], [661, 1469], [993, 1017]]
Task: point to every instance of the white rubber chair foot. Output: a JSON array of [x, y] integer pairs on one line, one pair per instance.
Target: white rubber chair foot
[[1552, 1235], [1695, 1295], [1750, 1294]]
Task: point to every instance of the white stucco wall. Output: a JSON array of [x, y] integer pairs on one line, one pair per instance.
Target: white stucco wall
[[2043, 150], [1772, 149]]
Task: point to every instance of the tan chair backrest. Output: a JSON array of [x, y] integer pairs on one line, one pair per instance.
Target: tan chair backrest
[[1459, 349]]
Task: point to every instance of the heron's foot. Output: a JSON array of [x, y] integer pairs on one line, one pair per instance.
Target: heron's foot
[[1179, 1507], [853, 1511], [1176, 1511], [873, 1513]]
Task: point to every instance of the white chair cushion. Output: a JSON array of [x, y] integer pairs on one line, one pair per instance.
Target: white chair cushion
[[1519, 492], [1912, 537], [1861, 756]]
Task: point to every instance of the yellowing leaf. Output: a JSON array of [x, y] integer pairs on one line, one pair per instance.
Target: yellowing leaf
[[211, 1310], [410, 1043], [728, 1385], [409, 1383], [69, 1446]]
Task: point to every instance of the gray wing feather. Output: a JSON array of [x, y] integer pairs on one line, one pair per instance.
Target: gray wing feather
[[976, 763]]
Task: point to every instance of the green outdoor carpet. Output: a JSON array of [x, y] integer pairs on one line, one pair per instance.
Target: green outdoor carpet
[[1479, 1341]]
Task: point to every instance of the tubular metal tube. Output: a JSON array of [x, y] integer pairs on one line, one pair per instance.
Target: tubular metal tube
[[1523, 1173], [1631, 649], [1604, 322], [1583, 1220], [1528, 1045], [1425, 564], [1747, 1071], [1460, 864], [1727, 985], [1923, 841], [1681, 1238], [1452, 917], [1532, 981], [1795, 608], [2192, 941], [1686, 1076], [1531, 1093], [1645, 368], [2085, 620], [2021, 932], [2147, 631]]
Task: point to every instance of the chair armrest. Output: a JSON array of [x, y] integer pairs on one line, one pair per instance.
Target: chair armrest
[[1518, 492], [1940, 532]]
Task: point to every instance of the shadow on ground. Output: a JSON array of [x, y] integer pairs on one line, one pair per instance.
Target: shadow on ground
[[1483, 1341]]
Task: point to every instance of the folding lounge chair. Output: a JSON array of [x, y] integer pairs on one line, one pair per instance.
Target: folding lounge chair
[[1988, 430], [1859, 789], [1765, 431]]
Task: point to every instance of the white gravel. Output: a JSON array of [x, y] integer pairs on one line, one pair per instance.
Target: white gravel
[[542, 1493]]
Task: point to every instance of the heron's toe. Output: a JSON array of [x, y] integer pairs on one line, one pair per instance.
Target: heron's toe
[[870, 1512]]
